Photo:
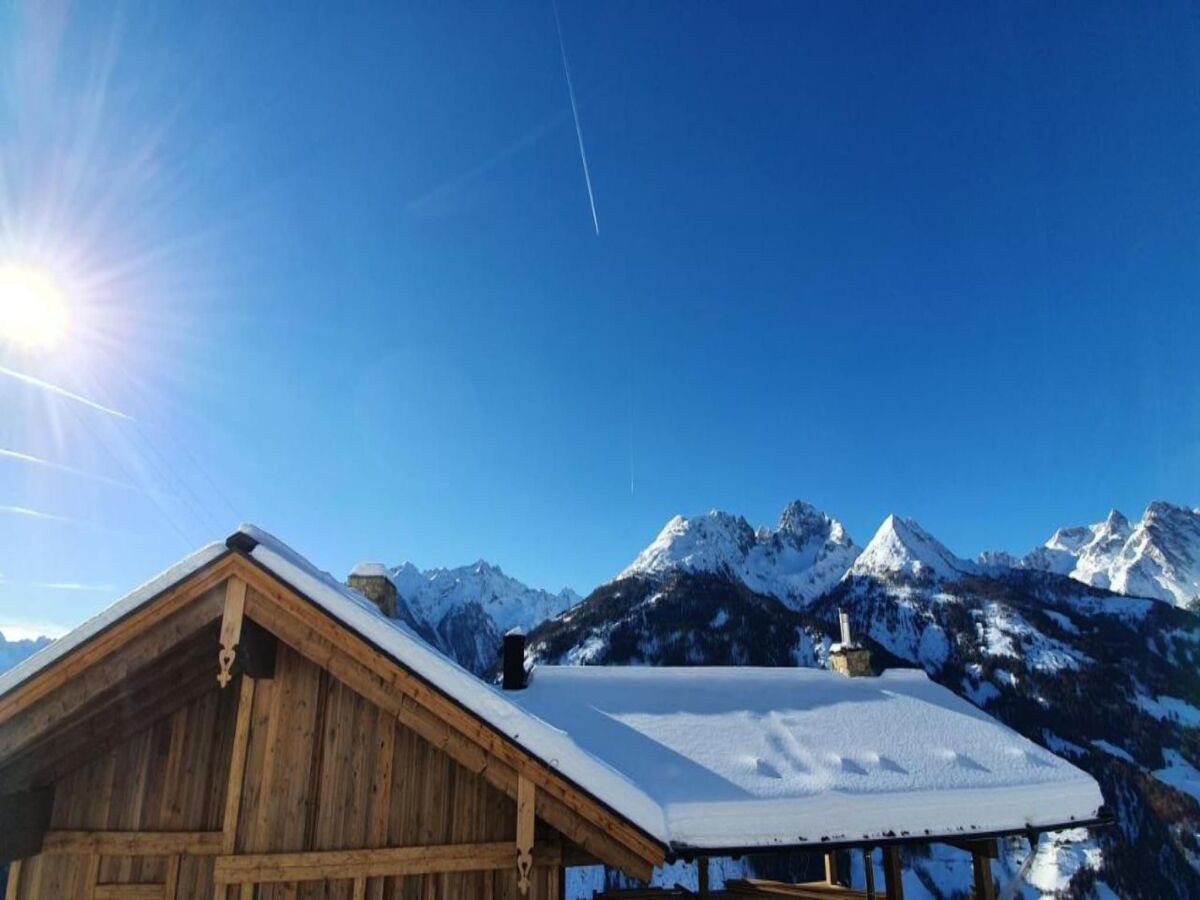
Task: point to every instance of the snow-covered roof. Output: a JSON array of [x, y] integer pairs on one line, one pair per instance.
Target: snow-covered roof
[[371, 570], [752, 757], [55, 651], [716, 757]]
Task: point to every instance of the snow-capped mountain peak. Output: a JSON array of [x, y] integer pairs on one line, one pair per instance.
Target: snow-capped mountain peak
[[434, 593], [465, 611], [1158, 557], [798, 560], [903, 549], [709, 543]]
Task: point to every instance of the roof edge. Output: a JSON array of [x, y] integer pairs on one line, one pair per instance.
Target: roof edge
[[686, 851]]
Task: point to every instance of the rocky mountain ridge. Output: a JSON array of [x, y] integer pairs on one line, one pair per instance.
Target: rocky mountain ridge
[[465, 611], [1157, 557]]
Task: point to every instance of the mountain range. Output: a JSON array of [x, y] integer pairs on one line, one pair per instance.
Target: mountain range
[[12, 652], [1047, 643], [465, 611], [1088, 644]]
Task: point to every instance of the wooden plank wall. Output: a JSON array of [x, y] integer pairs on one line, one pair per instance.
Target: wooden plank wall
[[170, 777], [325, 770]]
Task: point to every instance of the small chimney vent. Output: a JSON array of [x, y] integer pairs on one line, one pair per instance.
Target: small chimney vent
[[849, 658], [514, 660], [844, 622], [373, 581]]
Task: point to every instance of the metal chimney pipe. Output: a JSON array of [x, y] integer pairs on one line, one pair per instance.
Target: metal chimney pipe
[[514, 661]]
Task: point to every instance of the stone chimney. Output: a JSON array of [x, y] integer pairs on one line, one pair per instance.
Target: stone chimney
[[373, 582], [848, 657], [514, 660]]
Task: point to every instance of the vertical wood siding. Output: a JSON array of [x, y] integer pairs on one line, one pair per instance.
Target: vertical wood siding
[[325, 770]]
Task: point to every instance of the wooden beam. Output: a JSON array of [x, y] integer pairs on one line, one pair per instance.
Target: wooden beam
[[526, 822], [985, 887], [231, 628], [360, 889], [171, 883], [91, 876], [892, 874], [14, 880], [24, 819], [128, 892], [702, 877], [831, 867], [134, 843], [237, 767], [322, 865], [869, 871], [468, 741]]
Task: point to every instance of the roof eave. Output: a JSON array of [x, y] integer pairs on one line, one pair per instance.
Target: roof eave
[[686, 851]]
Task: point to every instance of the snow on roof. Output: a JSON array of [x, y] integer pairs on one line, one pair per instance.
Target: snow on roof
[[717, 757], [371, 570], [55, 651], [751, 757]]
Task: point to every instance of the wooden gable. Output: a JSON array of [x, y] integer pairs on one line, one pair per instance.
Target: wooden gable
[[333, 773]]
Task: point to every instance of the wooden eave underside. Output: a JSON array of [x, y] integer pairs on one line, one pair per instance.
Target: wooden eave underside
[[94, 697]]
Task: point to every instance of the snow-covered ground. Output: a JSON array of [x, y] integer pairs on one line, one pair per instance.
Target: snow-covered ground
[[1179, 774]]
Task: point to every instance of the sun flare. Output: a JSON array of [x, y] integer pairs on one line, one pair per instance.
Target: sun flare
[[33, 311]]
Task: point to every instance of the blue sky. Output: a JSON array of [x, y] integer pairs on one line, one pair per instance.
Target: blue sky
[[340, 273]]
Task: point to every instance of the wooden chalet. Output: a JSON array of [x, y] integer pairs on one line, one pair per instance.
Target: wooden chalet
[[244, 726]]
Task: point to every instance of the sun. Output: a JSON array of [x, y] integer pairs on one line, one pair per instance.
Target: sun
[[33, 311]]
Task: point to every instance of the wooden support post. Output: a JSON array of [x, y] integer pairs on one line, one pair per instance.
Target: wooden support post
[[171, 883], [237, 767], [14, 880], [360, 889], [702, 875], [985, 888], [892, 876], [231, 628], [526, 801], [91, 876], [831, 867], [869, 871]]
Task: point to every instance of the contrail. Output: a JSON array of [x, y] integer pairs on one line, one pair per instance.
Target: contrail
[[73, 586], [63, 392], [36, 514], [587, 176], [69, 470]]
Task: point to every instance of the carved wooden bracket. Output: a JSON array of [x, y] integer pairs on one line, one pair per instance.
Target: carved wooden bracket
[[231, 628], [526, 796]]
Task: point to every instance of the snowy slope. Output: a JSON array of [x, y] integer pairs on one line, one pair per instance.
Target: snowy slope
[[798, 560], [1158, 557]]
